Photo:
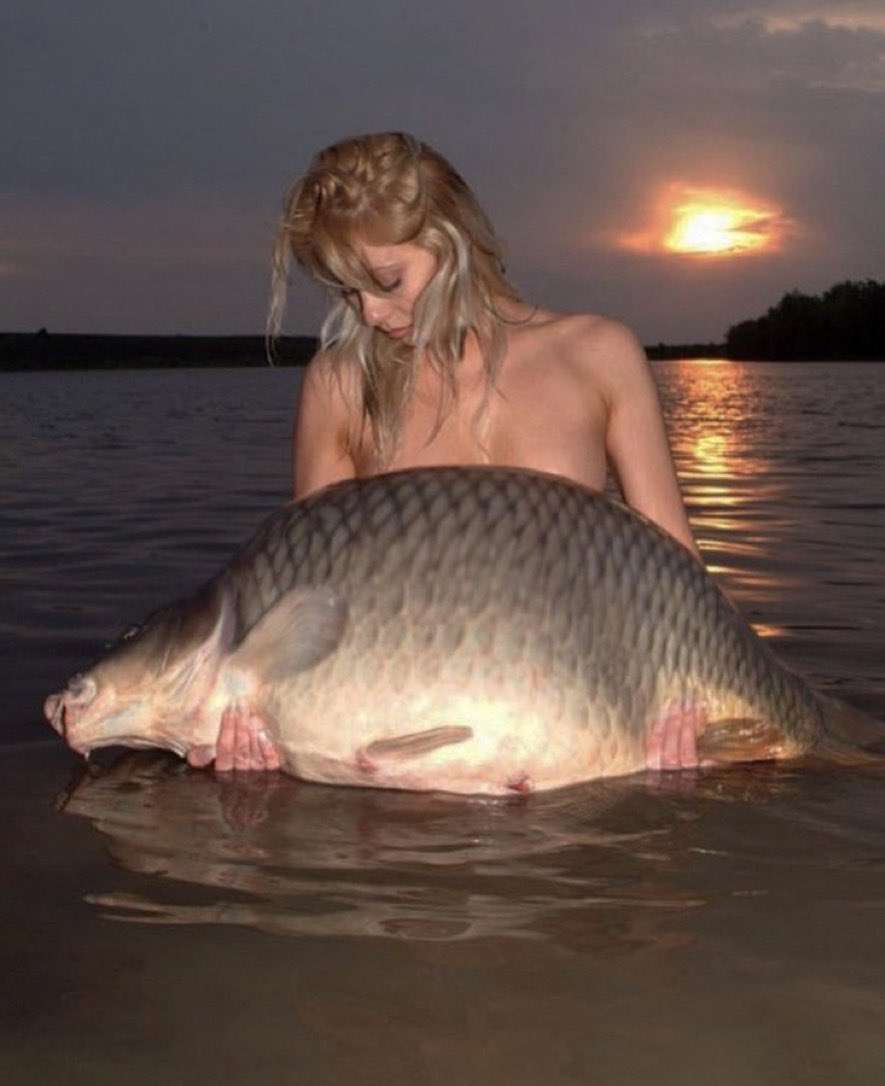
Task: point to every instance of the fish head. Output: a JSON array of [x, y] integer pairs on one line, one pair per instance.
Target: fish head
[[148, 690]]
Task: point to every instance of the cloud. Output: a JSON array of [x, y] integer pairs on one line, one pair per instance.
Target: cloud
[[833, 45], [147, 146], [792, 15]]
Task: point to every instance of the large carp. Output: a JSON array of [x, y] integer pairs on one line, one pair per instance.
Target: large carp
[[475, 630]]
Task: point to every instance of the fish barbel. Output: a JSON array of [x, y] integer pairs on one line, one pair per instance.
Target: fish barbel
[[469, 629]]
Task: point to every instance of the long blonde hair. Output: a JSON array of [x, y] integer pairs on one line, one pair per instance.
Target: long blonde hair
[[387, 189]]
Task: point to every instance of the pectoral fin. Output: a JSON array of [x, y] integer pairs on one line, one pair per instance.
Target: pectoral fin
[[417, 743], [743, 739], [302, 628]]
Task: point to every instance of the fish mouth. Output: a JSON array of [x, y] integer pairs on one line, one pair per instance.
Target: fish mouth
[[135, 742], [55, 708], [87, 719], [82, 716]]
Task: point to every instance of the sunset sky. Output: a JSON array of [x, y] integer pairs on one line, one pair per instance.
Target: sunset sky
[[678, 164]]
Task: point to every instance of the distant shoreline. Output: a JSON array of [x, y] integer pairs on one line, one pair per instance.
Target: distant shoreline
[[62, 351], [69, 351], [844, 324]]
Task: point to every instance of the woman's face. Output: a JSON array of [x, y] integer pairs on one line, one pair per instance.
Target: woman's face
[[402, 271]]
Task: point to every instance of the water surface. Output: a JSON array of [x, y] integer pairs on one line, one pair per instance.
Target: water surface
[[713, 926]]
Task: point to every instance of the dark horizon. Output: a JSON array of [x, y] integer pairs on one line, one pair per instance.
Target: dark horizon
[[845, 323]]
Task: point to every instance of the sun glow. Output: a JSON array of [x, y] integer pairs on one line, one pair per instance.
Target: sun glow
[[708, 222], [701, 227]]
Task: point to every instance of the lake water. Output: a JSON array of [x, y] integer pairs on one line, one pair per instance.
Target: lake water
[[713, 926]]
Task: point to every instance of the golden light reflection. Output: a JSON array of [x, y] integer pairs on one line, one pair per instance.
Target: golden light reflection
[[708, 222], [732, 486], [711, 454], [769, 629]]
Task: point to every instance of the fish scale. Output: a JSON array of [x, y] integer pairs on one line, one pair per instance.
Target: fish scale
[[467, 629]]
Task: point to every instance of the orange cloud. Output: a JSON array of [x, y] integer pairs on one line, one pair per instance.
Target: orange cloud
[[790, 17]]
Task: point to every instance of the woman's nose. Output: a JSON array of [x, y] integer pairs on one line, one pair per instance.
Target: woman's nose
[[373, 308]]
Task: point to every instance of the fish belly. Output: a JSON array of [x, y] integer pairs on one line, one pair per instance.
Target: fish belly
[[479, 735]]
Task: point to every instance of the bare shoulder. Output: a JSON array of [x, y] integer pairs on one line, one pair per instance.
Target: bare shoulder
[[331, 384], [328, 372], [582, 335], [601, 340], [324, 424], [595, 349]]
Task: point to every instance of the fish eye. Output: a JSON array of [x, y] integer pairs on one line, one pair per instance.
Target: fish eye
[[76, 684]]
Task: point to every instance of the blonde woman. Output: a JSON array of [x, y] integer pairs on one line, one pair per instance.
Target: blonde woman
[[429, 356]]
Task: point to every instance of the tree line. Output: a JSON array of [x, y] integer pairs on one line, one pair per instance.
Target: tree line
[[845, 322], [60, 351]]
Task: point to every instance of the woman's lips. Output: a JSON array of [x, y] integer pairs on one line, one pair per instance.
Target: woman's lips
[[398, 333]]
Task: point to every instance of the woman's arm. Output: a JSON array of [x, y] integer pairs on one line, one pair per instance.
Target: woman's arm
[[639, 452], [636, 438], [320, 452]]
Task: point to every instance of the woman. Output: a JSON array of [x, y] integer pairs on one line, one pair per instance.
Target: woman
[[429, 356]]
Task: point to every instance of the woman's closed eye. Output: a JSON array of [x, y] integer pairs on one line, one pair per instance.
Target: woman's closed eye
[[351, 294]]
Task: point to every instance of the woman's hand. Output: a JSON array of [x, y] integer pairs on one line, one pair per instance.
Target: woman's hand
[[243, 743], [672, 741]]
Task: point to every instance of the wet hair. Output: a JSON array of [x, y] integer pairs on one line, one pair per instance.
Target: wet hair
[[388, 189]]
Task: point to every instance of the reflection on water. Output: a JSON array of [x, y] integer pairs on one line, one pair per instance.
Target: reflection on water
[[726, 471], [654, 930], [601, 865], [784, 478], [301, 859], [715, 463]]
